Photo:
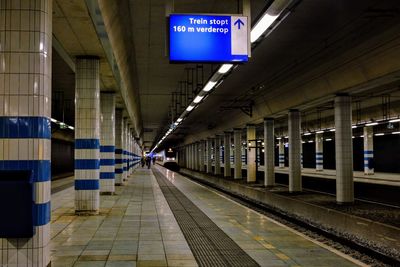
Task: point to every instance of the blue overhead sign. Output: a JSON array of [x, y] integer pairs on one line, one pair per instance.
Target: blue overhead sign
[[208, 38]]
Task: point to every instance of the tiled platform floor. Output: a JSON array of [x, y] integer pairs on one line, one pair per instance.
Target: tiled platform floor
[[137, 228]]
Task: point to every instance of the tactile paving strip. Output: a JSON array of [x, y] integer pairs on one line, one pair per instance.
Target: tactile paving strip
[[209, 244]]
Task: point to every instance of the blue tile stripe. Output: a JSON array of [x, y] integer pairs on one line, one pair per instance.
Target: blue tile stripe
[[107, 175], [368, 152], [87, 144], [41, 213], [87, 184], [118, 161], [107, 148], [41, 171], [25, 127], [118, 151], [118, 171], [87, 164], [107, 162]]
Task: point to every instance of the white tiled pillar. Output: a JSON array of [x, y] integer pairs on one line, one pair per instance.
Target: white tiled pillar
[[294, 151], [251, 153], [209, 153], [197, 155], [192, 156], [227, 154], [269, 153], [119, 168], [237, 140], [368, 150], [107, 143], [217, 152], [202, 152], [25, 111], [281, 147], [344, 150], [319, 152], [87, 135]]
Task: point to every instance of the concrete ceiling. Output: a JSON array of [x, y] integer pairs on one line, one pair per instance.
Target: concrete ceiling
[[320, 49]]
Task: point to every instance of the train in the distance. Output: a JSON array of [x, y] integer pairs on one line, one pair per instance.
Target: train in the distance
[[168, 158]]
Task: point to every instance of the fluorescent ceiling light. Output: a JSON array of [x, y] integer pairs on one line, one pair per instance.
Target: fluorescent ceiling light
[[307, 134], [395, 120], [70, 127], [319, 132], [379, 134], [190, 108], [225, 68], [261, 26], [332, 130], [198, 99], [179, 120], [54, 120], [396, 133], [329, 139], [210, 85], [278, 138], [354, 126], [371, 124]]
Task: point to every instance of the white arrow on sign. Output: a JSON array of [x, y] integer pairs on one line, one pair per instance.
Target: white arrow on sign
[[239, 35]]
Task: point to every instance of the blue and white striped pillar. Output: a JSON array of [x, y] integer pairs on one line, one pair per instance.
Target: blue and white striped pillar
[[319, 152], [119, 168], [127, 149], [281, 147], [87, 135], [107, 143], [124, 149], [25, 111], [368, 150]]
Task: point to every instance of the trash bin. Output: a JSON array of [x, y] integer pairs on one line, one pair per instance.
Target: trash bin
[[16, 204]]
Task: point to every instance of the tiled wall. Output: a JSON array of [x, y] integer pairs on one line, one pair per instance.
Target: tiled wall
[[87, 135], [107, 143], [25, 110]]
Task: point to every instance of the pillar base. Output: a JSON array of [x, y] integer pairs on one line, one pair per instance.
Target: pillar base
[[319, 170], [86, 212]]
